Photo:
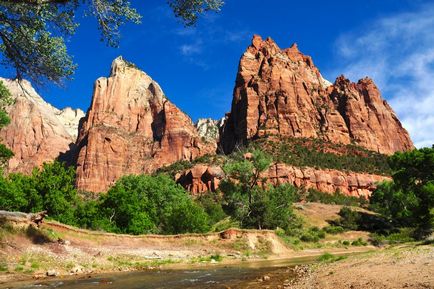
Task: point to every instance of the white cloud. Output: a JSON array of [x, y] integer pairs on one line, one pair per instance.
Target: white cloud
[[190, 49], [398, 53]]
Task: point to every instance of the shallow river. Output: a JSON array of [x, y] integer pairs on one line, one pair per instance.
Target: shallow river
[[244, 275]]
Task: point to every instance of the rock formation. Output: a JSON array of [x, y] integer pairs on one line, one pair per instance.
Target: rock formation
[[209, 129], [38, 132], [202, 178], [280, 93], [132, 128]]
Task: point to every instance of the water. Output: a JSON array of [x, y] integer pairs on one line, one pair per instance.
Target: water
[[243, 275]]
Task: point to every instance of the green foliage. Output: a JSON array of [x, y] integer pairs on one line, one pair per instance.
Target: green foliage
[[404, 235], [409, 199], [334, 230], [246, 172], [318, 153], [5, 99], [394, 203], [151, 204], [328, 258], [313, 234], [349, 220], [359, 242], [212, 204], [33, 33], [190, 10], [50, 188]]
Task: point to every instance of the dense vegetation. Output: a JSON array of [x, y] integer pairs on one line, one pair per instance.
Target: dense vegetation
[[156, 204], [135, 204], [408, 201], [318, 153], [405, 206], [5, 99]]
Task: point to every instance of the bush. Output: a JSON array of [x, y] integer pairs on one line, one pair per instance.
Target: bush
[[408, 201], [212, 204], [151, 204], [359, 242], [349, 219], [313, 234], [404, 235], [327, 257], [50, 188], [334, 230]]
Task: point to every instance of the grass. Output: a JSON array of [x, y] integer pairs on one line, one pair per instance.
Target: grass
[[129, 262], [329, 258], [206, 259]]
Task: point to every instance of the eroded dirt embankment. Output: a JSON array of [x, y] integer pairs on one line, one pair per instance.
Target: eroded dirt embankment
[[57, 249]]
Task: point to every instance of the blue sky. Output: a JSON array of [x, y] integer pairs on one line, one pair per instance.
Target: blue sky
[[389, 40]]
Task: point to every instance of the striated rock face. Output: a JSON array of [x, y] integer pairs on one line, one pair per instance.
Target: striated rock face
[[38, 132], [132, 128], [280, 93], [202, 178], [209, 128], [70, 118]]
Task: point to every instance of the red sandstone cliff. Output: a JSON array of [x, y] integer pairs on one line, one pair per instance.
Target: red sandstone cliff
[[38, 132], [202, 178], [132, 128], [280, 93]]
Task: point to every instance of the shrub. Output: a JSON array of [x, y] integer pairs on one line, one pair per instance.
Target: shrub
[[327, 257], [151, 204], [313, 234], [349, 219], [334, 230]]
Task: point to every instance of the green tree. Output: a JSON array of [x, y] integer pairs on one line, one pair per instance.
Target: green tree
[[272, 208], [5, 100], [50, 188], [151, 204], [409, 200], [33, 32], [251, 205], [246, 170], [54, 183]]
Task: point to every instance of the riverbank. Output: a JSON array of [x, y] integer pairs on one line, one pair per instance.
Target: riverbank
[[56, 250], [405, 266]]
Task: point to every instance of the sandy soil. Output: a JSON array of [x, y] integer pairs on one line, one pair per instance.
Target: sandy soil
[[400, 267]]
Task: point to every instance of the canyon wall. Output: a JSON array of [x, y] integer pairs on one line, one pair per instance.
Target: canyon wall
[[38, 132], [281, 93], [202, 178], [132, 128]]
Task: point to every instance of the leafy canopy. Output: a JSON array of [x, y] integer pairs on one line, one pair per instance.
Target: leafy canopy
[[5, 99], [409, 199], [33, 32]]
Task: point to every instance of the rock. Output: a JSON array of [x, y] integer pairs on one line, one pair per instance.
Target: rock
[[70, 118], [202, 178], [208, 129], [132, 128], [52, 273], [38, 132], [280, 93], [266, 278], [77, 270]]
